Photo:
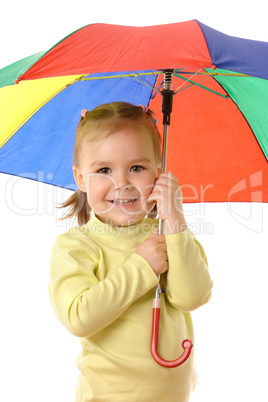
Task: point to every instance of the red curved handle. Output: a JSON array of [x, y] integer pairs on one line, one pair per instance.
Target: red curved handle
[[186, 344]]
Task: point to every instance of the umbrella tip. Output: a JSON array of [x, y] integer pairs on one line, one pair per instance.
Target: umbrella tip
[[17, 80]]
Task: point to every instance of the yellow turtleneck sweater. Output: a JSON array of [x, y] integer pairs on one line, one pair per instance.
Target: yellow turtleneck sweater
[[103, 293]]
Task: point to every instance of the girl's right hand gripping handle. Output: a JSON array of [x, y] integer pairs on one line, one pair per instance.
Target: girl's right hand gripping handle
[[186, 344]]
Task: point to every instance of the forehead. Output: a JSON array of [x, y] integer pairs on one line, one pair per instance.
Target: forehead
[[124, 142]]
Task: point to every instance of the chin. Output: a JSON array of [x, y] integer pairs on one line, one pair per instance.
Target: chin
[[127, 221]]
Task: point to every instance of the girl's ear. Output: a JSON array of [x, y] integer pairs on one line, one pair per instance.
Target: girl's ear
[[79, 178]]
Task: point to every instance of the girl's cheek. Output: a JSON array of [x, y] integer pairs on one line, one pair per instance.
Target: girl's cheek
[[97, 181]]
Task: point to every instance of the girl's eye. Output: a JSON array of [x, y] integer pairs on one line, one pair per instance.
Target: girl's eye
[[137, 168], [104, 170]]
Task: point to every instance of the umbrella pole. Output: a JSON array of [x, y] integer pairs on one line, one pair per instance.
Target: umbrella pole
[[167, 100]]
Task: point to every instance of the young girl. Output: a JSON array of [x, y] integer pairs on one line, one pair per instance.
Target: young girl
[[104, 273]]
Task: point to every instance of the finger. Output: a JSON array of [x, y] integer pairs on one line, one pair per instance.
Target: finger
[[161, 238], [155, 232], [168, 175], [153, 235], [158, 238], [155, 196]]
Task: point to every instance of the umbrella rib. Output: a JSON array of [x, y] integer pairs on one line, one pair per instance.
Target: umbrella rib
[[135, 75], [131, 75], [199, 85], [192, 83], [220, 74], [143, 80], [160, 84], [186, 79]]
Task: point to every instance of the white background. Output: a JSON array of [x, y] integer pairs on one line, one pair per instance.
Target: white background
[[37, 354]]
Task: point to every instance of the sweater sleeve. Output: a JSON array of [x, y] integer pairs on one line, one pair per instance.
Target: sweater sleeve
[[84, 304], [188, 282]]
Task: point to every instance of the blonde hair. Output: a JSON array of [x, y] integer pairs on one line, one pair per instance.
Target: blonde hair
[[98, 124]]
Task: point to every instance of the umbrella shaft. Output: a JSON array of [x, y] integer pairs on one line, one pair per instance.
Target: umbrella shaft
[[164, 148], [167, 99], [164, 165]]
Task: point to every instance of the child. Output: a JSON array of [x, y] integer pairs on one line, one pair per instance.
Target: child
[[104, 272]]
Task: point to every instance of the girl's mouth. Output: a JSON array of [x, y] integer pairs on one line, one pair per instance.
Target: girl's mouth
[[124, 201]]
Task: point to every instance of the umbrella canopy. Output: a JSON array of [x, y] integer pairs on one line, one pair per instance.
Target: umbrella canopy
[[218, 141]]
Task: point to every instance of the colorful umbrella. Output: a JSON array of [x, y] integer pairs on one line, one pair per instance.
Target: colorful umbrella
[[218, 143], [216, 84]]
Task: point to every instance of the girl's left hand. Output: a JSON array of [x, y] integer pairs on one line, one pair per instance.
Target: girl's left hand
[[168, 196]]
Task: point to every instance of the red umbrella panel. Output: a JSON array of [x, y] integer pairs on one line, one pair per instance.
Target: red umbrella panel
[[212, 140]]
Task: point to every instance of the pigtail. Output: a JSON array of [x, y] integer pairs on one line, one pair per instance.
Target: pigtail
[[78, 207]]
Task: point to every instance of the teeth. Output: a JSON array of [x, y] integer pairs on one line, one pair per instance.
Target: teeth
[[124, 202]]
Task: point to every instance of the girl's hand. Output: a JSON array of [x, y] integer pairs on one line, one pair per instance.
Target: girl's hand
[[154, 250], [167, 194]]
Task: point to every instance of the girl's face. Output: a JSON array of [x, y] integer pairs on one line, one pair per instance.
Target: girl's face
[[118, 175]]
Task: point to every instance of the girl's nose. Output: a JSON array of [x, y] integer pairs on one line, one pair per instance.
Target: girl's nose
[[121, 182]]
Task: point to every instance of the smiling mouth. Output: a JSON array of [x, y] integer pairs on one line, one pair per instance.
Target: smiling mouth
[[125, 201]]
